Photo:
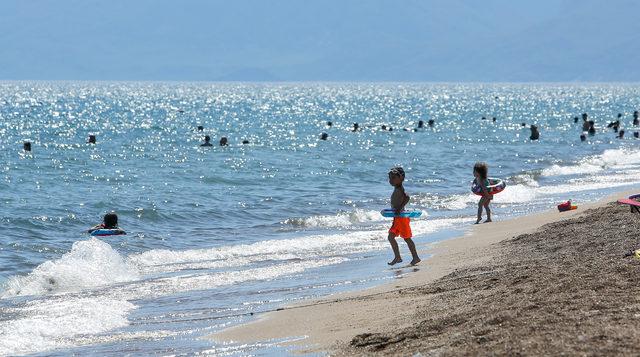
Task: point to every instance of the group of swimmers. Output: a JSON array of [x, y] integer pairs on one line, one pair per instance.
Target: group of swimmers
[[588, 128]]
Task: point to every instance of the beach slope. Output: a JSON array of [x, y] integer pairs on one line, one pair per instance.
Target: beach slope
[[548, 283]]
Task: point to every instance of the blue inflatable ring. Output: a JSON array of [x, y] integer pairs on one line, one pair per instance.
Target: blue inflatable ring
[[390, 212], [103, 232]]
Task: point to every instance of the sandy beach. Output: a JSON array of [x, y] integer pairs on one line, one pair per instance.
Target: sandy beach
[[542, 284]]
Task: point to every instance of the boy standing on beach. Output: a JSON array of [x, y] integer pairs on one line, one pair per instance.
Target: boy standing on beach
[[400, 226]]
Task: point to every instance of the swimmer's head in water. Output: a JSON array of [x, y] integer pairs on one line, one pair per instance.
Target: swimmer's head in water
[[207, 138], [111, 220]]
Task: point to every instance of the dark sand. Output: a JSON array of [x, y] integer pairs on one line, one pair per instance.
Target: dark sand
[[566, 289]]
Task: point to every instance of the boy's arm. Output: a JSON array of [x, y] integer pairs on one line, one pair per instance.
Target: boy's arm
[[405, 200], [95, 228]]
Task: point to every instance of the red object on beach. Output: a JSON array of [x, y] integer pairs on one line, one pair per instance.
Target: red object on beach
[[566, 206], [631, 201]]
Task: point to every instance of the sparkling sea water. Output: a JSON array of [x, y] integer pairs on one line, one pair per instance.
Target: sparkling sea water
[[215, 233]]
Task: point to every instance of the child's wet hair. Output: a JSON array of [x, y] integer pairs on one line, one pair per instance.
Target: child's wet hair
[[482, 169], [111, 220], [397, 171]]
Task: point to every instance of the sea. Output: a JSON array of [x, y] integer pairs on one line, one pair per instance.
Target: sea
[[218, 235]]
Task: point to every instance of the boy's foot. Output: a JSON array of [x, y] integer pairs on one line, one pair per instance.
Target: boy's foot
[[395, 261], [478, 221], [487, 220], [415, 261]]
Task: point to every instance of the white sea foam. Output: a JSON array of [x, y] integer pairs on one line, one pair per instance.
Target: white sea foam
[[284, 249], [42, 325], [340, 220], [184, 283], [90, 264], [609, 159]]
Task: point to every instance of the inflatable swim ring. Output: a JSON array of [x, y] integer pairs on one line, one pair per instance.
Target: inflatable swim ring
[[103, 232], [390, 212], [495, 186]]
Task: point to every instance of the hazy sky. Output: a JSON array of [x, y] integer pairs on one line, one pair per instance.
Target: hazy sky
[[329, 40]]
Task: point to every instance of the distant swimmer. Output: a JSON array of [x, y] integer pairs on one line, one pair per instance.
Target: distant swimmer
[[207, 141], [92, 139], [224, 141], [109, 222], [329, 124], [26, 146], [575, 119], [420, 124], [484, 118], [585, 122], [636, 120], [324, 136], [615, 125], [356, 127], [200, 128], [583, 137], [390, 129], [383, 127], [494, 119], [592, 128], [621, 134], [636, 134], [523, 124], [431, 123], [245, 142], [535, 134]]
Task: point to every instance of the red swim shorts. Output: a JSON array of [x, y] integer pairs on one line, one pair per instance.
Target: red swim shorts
[[401, 227]]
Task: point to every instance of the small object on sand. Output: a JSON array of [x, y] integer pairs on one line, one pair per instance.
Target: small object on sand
[[566, 206], [637, 253], [632, 202]]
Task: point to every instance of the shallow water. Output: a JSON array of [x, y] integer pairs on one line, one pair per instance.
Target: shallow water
[[223, 231]]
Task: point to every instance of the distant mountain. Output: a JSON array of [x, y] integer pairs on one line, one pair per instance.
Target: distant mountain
[[329, 40]]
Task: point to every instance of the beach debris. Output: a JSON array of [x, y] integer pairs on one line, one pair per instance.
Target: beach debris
[[566, 206]]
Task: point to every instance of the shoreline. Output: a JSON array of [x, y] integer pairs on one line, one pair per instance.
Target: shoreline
[[330, 323]]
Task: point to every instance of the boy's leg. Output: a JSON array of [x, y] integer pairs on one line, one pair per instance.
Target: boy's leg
[[414, 252], [396, 250]]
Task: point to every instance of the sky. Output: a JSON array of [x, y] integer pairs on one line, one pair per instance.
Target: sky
[[329, 40]]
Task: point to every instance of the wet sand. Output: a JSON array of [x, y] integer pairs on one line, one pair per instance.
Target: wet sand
[[543, 284]]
